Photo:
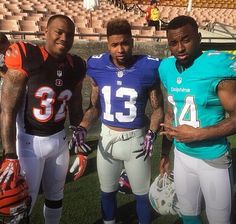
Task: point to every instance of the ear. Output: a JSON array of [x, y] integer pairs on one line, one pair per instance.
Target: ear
[[132, 42], [199, 37], [45, 33]]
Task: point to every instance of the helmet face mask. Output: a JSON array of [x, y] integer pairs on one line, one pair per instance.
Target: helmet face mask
[[162, 195], [19, 218]]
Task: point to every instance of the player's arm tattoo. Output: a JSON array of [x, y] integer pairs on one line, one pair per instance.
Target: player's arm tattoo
[[13, 89], [76, 105], [93, 112], [169, 114], [156, 102]]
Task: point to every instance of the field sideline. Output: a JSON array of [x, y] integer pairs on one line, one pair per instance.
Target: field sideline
[[82, 205]]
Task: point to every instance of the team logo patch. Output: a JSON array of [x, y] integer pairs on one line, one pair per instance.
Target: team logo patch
[[58, 82], [59, 73], [179, 80], [120, 74]]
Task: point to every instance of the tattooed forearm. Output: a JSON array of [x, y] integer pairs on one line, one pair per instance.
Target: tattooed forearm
[[12, 91], [92, 113], [156, 101]]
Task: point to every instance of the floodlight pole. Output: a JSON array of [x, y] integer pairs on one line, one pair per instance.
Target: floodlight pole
[[189, 7]]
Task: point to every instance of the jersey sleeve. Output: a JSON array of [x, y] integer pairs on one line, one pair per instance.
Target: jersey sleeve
[[94, 63], [226, 67], [13, 58]]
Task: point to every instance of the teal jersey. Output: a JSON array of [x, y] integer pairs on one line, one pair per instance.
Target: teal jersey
[[193, 95]]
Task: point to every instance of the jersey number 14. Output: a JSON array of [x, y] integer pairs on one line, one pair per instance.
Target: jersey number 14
[[188, 113]]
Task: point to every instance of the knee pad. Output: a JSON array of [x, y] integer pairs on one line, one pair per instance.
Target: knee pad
[[191, 219], [53, 204]]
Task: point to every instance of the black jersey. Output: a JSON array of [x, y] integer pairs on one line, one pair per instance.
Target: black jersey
[[49, 88]]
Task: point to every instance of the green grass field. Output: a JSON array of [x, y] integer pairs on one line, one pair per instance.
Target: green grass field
[[82, 205]]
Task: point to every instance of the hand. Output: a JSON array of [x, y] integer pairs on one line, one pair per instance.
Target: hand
[[9, 173], [78, 140], [164, 166], [80, 163], [147, 146], [182, 133]]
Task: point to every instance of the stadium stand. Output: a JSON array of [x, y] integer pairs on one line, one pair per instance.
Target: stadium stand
[[28, 17]]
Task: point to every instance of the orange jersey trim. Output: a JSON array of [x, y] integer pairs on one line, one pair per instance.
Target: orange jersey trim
[[13, 58], [44, 53]]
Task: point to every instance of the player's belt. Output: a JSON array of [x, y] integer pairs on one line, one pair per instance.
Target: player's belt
[[116, 136]]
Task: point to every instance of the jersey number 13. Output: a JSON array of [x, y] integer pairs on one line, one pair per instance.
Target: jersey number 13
[[128, 104]]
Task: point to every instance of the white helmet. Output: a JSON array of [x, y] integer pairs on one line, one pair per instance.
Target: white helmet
[[162, 195]]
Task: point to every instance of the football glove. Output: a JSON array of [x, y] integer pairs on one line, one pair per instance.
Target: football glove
[[147, 145], [79, 164], [77, 141], [9, 173]]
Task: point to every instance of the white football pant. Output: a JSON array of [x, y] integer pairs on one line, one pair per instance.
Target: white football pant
[[195, 179], [116, 148], [46, 159]]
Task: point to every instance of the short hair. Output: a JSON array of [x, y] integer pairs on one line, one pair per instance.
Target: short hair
[[60, 16], [181, 21], [118, 26], [3, 39], [153, 2]]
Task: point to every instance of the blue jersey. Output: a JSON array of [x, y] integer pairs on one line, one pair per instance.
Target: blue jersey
[[193, 94], [123, 92]]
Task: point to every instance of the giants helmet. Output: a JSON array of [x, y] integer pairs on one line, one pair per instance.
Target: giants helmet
[[124, 185], [162, 195], [14, 201]]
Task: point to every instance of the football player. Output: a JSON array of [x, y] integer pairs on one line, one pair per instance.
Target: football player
[[201, 88], [122, 83], [41, 83]]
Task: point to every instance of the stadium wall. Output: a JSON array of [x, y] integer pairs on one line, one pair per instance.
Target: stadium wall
[[88, 48], [154, 48]]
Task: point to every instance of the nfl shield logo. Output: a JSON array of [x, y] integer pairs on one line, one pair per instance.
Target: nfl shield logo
[[120, 74], [179, 80], [59, 73]]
